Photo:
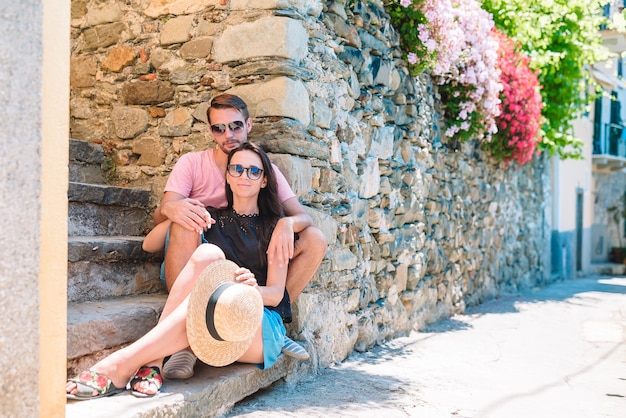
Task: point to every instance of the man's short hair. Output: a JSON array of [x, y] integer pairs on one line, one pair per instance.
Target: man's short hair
[[228, 101]]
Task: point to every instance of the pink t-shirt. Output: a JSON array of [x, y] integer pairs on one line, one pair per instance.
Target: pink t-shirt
[[197, 176]]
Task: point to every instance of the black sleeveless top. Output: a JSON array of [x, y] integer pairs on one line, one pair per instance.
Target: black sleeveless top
[[239, 237]]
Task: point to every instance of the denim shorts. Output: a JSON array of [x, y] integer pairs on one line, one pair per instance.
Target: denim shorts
[[273, 338]]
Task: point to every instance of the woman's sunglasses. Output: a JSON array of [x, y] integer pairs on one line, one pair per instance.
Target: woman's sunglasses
[[253, 172], [235, 127]]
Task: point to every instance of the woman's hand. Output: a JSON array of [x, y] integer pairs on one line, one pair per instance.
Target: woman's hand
[[280, 249], [245, 276]]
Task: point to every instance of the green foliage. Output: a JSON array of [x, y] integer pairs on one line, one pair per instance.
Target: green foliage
[[406, 21], [561, 37]]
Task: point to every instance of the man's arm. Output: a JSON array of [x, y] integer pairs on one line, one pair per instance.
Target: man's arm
[[189, 213], [281, 246]]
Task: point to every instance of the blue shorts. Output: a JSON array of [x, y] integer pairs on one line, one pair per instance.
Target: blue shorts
[[273, 338]]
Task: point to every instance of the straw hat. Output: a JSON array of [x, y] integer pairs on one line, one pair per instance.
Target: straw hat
[[222, 316]]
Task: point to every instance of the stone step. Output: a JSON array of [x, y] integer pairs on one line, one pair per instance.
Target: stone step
[[86, 162], [107, 210], [95, 328], [106, 195], [211, 392], [107, 248], [101, 267]]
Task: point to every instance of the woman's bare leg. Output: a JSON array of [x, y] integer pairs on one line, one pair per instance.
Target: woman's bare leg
[[167, 337]]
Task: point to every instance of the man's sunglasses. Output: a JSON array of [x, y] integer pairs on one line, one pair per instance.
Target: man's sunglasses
[[253, 172], [235, 127]]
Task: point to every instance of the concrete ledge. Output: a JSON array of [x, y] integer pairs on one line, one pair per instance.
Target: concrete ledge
[[210, 393]]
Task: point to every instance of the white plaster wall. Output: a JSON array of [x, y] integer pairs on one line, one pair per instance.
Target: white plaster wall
[[575, 174]]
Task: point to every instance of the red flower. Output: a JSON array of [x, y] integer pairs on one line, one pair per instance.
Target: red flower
[[101, 381], [519, 122], [144, 372]]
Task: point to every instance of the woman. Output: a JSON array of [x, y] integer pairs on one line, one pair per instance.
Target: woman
[[241, 233]]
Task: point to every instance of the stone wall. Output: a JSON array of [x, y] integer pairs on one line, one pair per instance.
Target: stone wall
[[418, 228]]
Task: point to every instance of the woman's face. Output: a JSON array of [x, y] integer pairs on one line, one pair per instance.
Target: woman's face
[[244, 165]]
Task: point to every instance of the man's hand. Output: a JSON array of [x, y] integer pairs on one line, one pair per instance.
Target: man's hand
[[189, 213], [280, 249]]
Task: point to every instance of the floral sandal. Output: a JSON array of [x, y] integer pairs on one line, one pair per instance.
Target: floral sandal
[[150, 374], [89, 382]]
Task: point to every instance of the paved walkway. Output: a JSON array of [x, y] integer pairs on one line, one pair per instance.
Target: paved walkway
[[553, 352]]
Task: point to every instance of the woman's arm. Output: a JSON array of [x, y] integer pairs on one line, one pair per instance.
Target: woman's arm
[[155, 240], [274, 289]]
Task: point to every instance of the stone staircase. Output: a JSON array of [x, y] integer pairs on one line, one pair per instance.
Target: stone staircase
[[115, 296]]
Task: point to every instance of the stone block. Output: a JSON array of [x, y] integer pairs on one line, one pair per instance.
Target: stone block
[[296, 170], [147, 92], [187, 74], [197, 48], [103, 35], [158, 8], [342, 259], [370, 178], [177, 30], [200, 112], [151, 151], [103, 13], [118, 58], [326, 223], [305, 7], [280, 96], [176, 123], [267, 37], [78, 9], [381, 146], [82, 71], [322, 115], [128, 122]]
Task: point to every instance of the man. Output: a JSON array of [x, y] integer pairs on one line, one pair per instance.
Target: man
[[197, 181]]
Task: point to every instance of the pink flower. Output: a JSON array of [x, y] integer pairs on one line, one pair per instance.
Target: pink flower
[[405, 3], [412, 58]]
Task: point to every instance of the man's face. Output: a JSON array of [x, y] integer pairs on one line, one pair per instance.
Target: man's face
[[229, 128]]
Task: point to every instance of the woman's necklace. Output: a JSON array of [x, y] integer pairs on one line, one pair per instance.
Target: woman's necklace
[[245, 215]]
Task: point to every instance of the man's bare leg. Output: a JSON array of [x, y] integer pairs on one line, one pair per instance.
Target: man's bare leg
[[309, 251], [182, 244]]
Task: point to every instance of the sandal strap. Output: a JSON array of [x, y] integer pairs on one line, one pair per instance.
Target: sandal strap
[[90, 381], [150, 374]]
